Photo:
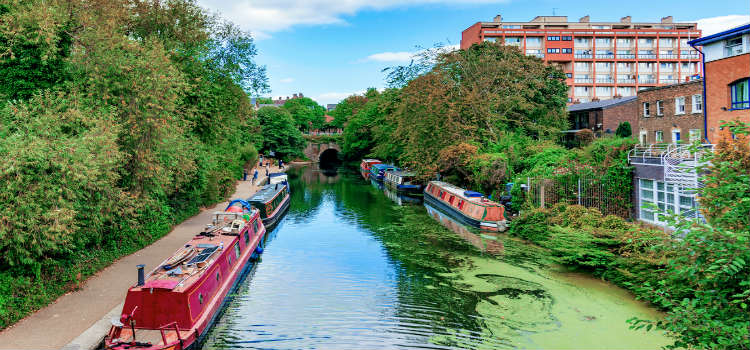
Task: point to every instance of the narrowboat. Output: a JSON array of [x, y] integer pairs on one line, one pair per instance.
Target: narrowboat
[[402, 181], [272, 200], [469, 207], [378, 171], [174, 306], [364, 167]]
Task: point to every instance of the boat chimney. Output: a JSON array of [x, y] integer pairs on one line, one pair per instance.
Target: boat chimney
[[141, 279]]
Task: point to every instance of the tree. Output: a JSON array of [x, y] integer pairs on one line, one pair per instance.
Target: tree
[[624, 130], [346, 109], [307, 114], [279, 133]]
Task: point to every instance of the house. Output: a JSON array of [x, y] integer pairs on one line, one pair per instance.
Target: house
[[331, 106], [726, 66], [603, 117], [671, 113]]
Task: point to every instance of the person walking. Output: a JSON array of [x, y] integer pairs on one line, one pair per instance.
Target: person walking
[[255, 176]]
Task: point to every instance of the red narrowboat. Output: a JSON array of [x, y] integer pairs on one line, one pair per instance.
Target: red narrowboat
[[469, 207], [174, 306], [365, 166]]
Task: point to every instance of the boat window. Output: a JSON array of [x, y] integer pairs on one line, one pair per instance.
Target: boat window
[[237, 250], [257, 225], [229, 260], [200, 298], [460, 204], [217, 276], [247, 237]]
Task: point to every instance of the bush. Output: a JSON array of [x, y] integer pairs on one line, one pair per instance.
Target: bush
[[624, 130]]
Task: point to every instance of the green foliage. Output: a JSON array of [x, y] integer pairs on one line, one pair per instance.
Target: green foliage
[[306, 113], [149, 122], [280, 134], [347, 108], [624, 130]]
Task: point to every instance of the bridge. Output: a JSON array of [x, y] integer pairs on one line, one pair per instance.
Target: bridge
[[322, 151]]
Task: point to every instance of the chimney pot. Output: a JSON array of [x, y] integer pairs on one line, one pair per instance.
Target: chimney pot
[[141, 278], [498, 19], [585, 19], [625, 19], [667, 19]]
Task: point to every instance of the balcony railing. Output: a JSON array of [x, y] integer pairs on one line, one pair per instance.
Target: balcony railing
[[668, 56], [626, 56], [605, 56], [689, 56], [668, 81], [626, 81], [647, 56], [539, 55], [584, 80], [583, 55], [605, 81], [646, 81]]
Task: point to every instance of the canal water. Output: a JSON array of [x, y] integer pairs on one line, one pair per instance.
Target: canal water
[[353, 267]]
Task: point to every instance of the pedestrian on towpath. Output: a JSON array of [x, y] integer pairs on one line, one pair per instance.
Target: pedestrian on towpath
[[255, 176], [244, 176]]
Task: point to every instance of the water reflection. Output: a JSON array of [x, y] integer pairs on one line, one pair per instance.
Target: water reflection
[[485, 241], [346, 269]]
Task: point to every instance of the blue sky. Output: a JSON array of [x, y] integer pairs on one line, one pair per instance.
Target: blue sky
[[329, 49]]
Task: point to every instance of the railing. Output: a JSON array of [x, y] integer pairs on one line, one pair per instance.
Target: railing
[[584, 80], [583, 56], [169, 327], [538, 55], [646, 81], [649, 56], [626, 81], [629, 56], [689, 56], [681, 164], [647, 155], [668, 81], [668, 56], [605, 81], [605, 56]]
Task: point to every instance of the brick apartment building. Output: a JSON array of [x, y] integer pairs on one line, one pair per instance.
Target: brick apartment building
[[603, 117], [670, 114], [727, 74], [601, 59]]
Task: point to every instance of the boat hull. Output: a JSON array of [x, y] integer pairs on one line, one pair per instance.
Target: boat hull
[[457, 215], [271, 221]]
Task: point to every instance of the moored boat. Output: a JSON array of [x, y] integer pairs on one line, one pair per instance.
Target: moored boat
[[470, 207], [277, 178], [402, 181], [378, 171], [272, 200], [175, 305], [365, 165]]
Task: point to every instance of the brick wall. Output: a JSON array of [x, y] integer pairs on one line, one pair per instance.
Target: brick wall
[[470, 36], [669, 121], [719, 74], [626, 112]]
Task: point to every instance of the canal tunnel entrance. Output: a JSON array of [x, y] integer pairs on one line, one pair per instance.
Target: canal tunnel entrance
[[330, 158]]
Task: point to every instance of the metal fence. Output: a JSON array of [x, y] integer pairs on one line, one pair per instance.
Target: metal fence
[[610, 197]]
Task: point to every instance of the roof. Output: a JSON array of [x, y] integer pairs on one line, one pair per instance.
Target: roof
[[720, 36], [266, 193], [603, 104], [403, 173], [383, 166], [694, 81]]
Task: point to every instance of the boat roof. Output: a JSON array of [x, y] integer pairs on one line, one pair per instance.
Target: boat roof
[[460, 192], [384, 166], [207, 250], [370, 160], [403, 173], [276, 174], [266, 193]]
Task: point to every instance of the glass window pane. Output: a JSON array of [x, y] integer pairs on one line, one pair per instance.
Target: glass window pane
[[660, 186], [647, 195], [686, 201], [660, 196], [647, 183], [647, 215], [670, 198]]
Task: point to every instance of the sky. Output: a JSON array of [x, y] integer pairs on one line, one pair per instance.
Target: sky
[[330, 49]]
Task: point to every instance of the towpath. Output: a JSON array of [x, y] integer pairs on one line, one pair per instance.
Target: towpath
[[80, 319]]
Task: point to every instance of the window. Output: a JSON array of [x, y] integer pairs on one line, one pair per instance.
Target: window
[[697, 103], [604, 91], [569, 75], [247, 237], [567, 38], [695, 135], [645, 42], [733, 46], [624, 42], [553, 38], [659, 108], [658, 136], [740, 94], [491, 39], [666, 67], [567, 50], [513, 41], [553, 50], [582, 41], [645, 67], [646, 109], [603, 41], [657, 198], [236, 250], [679, 105], [512, 26], [533, 41], [602, 66], [663, 42], [688, 67]]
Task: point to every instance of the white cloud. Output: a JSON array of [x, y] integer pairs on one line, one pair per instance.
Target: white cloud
[[263, 17], [286, 80], [402, 56], [713, 25]]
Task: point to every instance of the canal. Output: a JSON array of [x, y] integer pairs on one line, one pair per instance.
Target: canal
[[350, 267]]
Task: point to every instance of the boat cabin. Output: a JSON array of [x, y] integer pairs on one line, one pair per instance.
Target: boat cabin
[[269, 198]]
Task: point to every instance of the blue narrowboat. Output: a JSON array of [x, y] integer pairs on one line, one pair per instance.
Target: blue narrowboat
[[378, 171]]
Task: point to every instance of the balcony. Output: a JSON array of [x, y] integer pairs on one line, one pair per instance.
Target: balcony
[[584, 80], [668, 56], [647, 81], [626, 81], [689, 56], [537, 55], [626, 56], [605, 81], [605, 56], [583, 56], [668, 81], [647, 56]]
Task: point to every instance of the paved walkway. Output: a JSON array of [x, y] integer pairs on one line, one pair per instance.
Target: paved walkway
[[70, 316]]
